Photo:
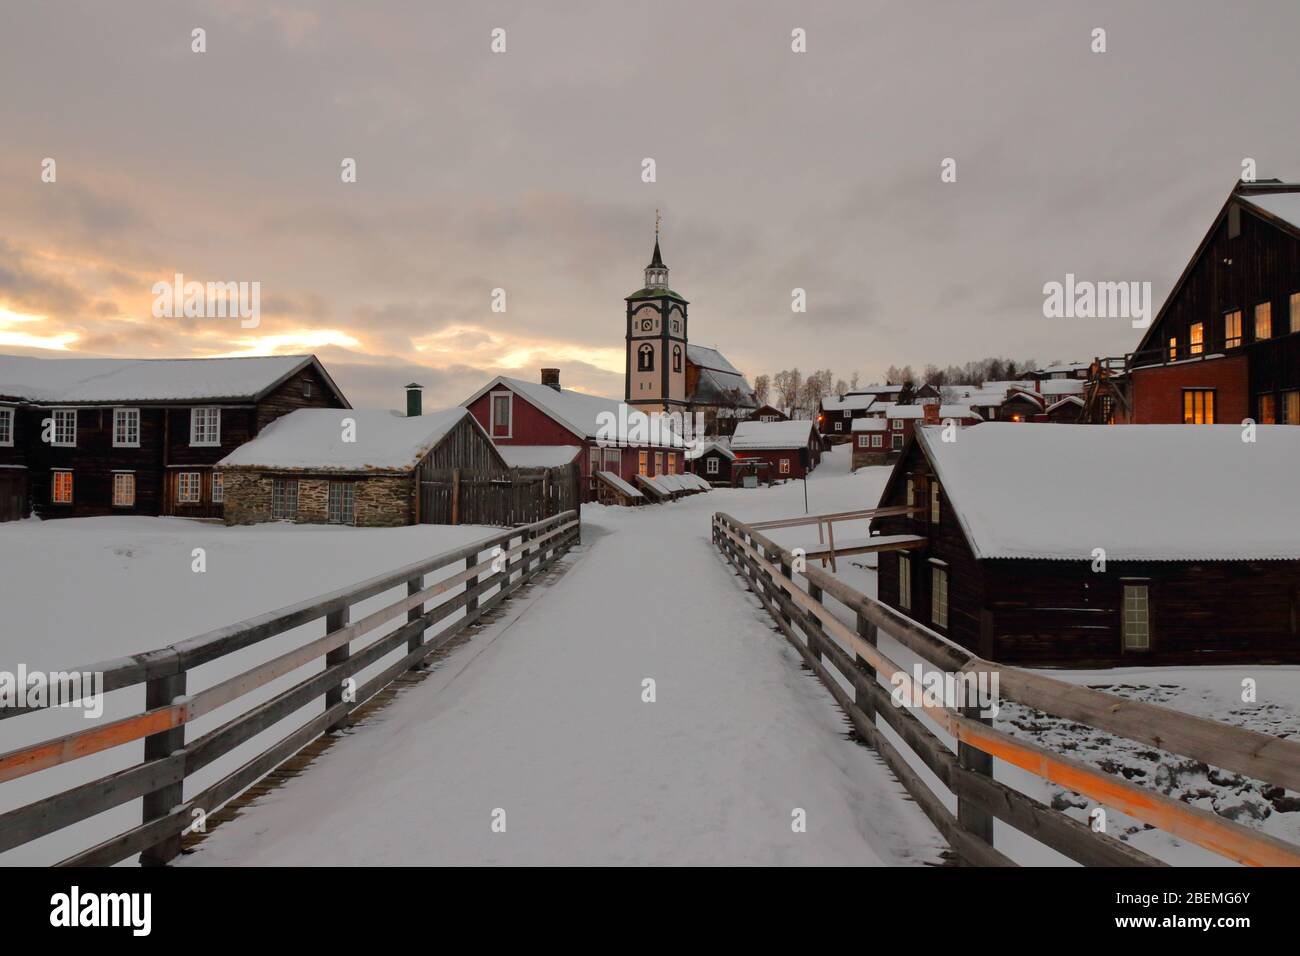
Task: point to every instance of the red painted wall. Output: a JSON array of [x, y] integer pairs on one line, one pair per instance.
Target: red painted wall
[[1157, 392]]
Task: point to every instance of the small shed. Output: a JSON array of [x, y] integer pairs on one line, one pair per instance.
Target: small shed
[[712, 462], [344, 466], [791, 449]]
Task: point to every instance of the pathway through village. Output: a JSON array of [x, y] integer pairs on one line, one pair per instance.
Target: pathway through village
[[539, 724]]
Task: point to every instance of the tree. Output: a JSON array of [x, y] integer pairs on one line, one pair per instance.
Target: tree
[[762, 385], [787, 383], [841, 388]]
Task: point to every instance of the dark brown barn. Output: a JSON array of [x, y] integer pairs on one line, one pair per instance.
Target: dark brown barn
[[1114, 560], [139, 436]]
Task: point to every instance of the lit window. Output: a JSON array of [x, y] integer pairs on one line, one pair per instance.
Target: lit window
[[123, 489], [205, 426], [126, 428], [1197, 338], [934, 503], [342, 504], [1264, 321], [1136, 624], [672, 464], [1291, 407], [911, 493], [939, 597], [65, 428], [1295, 311], [61, 490], [284, 499], [1232, 329], [6, 426], [1267, 410], [784, 466], [1173, 348], [904, 582], [189, 488], [659, 463], [642, 461], [1198, 406]]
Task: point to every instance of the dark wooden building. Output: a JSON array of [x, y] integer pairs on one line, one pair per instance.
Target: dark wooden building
[[711, 461], [1112, 561], [139, 436]]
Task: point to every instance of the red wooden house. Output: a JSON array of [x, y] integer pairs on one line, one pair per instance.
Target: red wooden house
[[903, 419], [789, 449]]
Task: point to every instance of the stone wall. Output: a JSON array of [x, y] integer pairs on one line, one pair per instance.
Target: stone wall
[[381, 501]]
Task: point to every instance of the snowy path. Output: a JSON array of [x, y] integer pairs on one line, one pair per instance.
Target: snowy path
[[541, 715]]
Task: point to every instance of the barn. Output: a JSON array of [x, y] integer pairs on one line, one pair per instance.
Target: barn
[[363, 468], [789, 449], [1116, 560]]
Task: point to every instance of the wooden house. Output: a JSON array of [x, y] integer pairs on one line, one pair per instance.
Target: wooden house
[[768, 413], [901, 420], [1112, 561], [139, 436], [790, 449], [608, 434], [1225, 345], [1065, 411], [836, 416], [870, 442], [711, 460], [363, 468]]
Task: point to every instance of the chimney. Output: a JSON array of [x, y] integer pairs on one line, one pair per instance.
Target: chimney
[[413, 393], [931, 412], [551, 378]]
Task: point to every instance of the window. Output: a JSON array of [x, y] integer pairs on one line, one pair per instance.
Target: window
[[1198, 406], [342, 502], [1136, 623], [123, 489], [659, 463], [934, 503], [904, 582], [1232, 329], [189, 488], [677, 358], [205, 426], [61, 487], [65, 428], [1173, 348], [1291, 407], [306, 388], [711, 465], [126, 428], [1234, 221], [672, 463], [218, 488], [642, 461], [784, 466], [645, 358], [6, 427], [614, 460], [896, 424], [284, 499], [862, 441], [1267, 409], [1197, 338], [1295, 311], [593, 460], [877, 440], [839, 426], [911, 492], [1264, 321], [939, 596], [501, 419], [848, 413]]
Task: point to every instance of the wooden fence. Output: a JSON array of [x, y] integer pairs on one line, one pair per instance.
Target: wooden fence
[[498, 498], [827, 643], [514, 557]]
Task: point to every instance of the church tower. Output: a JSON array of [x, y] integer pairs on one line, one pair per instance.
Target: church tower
[[656, 341]]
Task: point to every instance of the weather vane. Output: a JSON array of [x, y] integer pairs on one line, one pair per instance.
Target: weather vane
[[658, 219]]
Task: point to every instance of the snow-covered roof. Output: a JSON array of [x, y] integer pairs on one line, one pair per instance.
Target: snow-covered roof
[[1068, 400], [945, 411], [580, 413], [312, 439], [876, 390], [870, 425], [719, 382], [833, 403], [90, 380], [700, 449], [753, 435], [1285, 206], [538, 456], [1136, 491]]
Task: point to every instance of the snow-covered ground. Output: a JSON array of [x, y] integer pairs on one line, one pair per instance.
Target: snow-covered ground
[[541, 714]]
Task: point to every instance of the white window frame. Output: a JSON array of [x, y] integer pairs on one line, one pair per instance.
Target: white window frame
[[905, 582], [119, 476], [183, 480], [863, 441], [218, 488], [7, 418], [278, 511], [492, 413], [614, 457], [783, 466], [198, 425], [54, 486], [122, 419], [342, 502], [593, 459], [659, 464], [63, 414], [877, 440], [939, 596], [1135, 615], [839, 426], [711, 465]]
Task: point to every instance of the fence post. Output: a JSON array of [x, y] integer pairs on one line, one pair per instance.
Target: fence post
[[864, 700], [455, 496], [814, 627], [336, 621], [472, 604], [160, 692], [415, 586], [974, 819]]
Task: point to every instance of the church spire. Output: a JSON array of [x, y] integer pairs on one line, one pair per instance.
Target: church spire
[[656, 273]]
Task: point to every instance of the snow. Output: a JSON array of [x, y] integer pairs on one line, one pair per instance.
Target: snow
[[945, 411], [1137, 491], [834, 403], [620, 484], [538, 456], [869, 425], [700, 449], [142, 380], [314, 438], [1068, 400], [1285, 206], [754, 436]]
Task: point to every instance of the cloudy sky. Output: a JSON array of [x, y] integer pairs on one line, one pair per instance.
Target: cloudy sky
[[522, 171]]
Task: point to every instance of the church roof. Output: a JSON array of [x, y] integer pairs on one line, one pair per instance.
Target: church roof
[[649, 293], [720, 382], [656, 259]]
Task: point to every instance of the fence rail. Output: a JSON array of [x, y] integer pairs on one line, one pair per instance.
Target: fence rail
[[825, 642], [515, 557]]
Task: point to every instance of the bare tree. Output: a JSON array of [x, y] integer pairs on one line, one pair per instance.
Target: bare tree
[[762, 385]]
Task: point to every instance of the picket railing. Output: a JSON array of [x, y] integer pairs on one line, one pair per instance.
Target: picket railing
[[826, 642], [513, 558]]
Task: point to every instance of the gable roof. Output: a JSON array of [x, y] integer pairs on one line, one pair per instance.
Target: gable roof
[[312, 439], [719, 382], [100, 380], [700, 449], [757, 436], [945, 411], [869, 425], [834, 403], [1135, 490]]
